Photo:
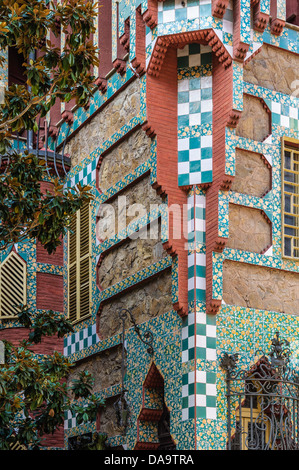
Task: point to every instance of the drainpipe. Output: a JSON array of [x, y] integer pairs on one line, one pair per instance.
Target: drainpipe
[[30, 132]]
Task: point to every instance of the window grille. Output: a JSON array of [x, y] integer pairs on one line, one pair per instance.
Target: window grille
[[290, 198], [79, 265], [12, 285]]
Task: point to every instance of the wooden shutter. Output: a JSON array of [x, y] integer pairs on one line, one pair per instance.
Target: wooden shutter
[[79, 265], [12, 285]]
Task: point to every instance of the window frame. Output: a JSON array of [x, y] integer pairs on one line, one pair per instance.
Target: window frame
[[20, 260], [292, 145], [75, 263]]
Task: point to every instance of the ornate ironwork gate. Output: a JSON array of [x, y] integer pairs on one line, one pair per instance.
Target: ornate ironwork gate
[[262, 401]]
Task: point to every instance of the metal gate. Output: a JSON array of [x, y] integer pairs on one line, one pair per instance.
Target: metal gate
[[262, 401]]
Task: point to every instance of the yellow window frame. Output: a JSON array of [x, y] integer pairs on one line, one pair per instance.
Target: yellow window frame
[[290, 146], [79, 265], [13, 285]]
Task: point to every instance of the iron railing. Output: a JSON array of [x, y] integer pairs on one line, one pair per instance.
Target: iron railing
[[262, 401]]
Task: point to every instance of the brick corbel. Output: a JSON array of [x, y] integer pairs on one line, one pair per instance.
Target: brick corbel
[[276, 24], [68, 116], [150, 16], [240, 48], [125, 38], [219, 7], [138, 63], [120, 66], [102, 84]]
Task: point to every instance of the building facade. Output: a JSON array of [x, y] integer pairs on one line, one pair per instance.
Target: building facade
[[186, 263]]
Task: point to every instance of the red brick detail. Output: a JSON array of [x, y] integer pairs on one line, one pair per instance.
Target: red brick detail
[[49, 292], [233, 118], [48, 345], [180, 40], [105, 37], [260, 20], [68, 116], [125, 38], [120, 66], [276, 24], [42, 256], [146, 445], [219, 7], [153, 379], [102, 84], [139, 61], [222, 106], [239, 47], [148, 414], [162, 116], [150, 16]]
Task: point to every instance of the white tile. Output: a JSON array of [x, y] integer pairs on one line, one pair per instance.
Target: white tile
[[201, 400], [192, 12], [194, 155], [211, 331], [276, 107], [206, 165], [168, 16], [183, 144], [194, 95], [201, 283], [201, 341], [206, 106], [285, 121], [206, 82], [195, 119], [211, 413], [206, 141], [211, 354], [195, 178], [227, 26], [201, 376], [183, 167], [183, 85], [200, 259], [183, 109]]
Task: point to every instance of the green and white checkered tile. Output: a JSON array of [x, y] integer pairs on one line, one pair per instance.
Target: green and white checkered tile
[[195, 108], [199, 395], [80, 340]]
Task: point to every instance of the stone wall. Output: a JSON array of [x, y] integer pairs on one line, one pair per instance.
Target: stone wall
[[105, 367], [248, 229], [273, 68], [123, 159], [253, 177], [253, 112], [128, 258], [258, 287], [132, 203], [118, 112], [148, 300]]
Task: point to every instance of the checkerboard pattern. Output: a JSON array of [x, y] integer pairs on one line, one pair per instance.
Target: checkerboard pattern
[[198, 329], [85, 176], [199, 395], [171, 11], [195, 106], [80, 340]]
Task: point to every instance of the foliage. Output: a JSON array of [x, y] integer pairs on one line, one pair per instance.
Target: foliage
[[55, 73], [28, 213], [34, 394]]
